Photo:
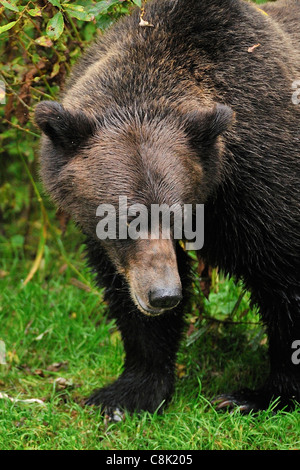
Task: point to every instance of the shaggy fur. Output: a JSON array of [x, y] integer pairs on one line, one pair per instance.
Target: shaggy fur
[[187, 111]]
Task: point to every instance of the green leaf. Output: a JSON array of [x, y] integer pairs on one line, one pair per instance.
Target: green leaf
[[55, 3], [73, 7], [104, 22], [55, 26], [10, 5], [138, 3], [35, 12], [89, 31], [44, 41], [17, 241], [7, 26], [55, 70], [102, 7], [79, 12]]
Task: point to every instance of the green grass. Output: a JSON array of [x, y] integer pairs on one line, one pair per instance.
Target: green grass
[[51, 321]]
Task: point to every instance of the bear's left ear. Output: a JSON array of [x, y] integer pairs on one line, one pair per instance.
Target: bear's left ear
[[66, 129], [205, 125]]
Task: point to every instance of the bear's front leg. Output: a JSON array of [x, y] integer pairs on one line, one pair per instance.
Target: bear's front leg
[[147, 382]]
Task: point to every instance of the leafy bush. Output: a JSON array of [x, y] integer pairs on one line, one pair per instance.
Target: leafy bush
[[39, 42]]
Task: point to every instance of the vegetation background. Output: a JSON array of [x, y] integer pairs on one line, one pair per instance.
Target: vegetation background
[[56, 344]]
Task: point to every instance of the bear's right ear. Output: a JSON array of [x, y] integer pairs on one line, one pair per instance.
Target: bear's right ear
[[205, 125], [65, 129]]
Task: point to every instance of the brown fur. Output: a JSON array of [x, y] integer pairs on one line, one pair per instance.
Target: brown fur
[[195, 110]]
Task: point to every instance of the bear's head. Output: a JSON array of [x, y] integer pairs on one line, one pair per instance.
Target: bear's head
[[93, 166]]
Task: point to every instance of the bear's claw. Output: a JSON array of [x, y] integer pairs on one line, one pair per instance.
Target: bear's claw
[[245, 400]]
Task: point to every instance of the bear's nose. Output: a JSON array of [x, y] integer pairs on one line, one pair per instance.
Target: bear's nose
[[165, 298]]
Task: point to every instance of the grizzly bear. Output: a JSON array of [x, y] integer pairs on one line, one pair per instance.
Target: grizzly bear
[[192, 102]]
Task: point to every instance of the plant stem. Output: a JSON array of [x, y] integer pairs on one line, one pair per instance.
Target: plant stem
[[17, 126]]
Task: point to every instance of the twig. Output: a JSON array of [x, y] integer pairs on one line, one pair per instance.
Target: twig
[[229, 322], [36, 90], [237, 304], [17, 126], [74, 27]]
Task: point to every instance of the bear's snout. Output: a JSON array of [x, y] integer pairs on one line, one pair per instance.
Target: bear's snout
[[153, 277], [165, 298], [159, 300]]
